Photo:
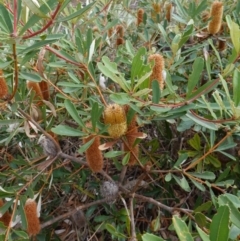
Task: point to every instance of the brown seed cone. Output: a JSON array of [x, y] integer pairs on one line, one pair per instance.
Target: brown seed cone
[[110, 32], [93, 154], [119, 41], [44, 86], [222, 45], [115, 117], [3, 87], [156, 7], [158, 68], [120, 30], [130, 139], [33, 222], [216, 14], [33, 86], [6, 217], [169, 12], [140, 13]]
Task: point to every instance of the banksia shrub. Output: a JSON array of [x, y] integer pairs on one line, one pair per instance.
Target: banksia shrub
[[132, 130], [33, 222], [3, 87], [216, 17], [33, 86], [157, 72], [115, 117], [140, 13], [93, 154], [6, 217]]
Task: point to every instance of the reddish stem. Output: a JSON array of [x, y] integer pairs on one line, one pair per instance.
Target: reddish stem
[[47, 25]]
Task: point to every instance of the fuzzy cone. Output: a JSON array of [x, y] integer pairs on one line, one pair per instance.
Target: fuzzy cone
[[157, 73], [115, 117], [156, 9], [93, 154], [140, 13], [33, 86], [3, 86], [119, 30], [33, 222], [6, 217], [44, 86], [130, 139], [169, 12], [216, 14]]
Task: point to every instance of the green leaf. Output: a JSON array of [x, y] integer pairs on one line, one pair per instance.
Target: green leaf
[[204, 207], [182, 182], [67, 131], [181, 229], [200, 219], [202, 234], [151, 237], [30, 76], [234, 33], [236, 87], [6, 18], [20, 234], [195, 142], [84, 147], [203, 175], [111, 154], [73, 112], [126, 159], [34, 8], [22, 214], [181, 159], [37, 45], [91, 51], [6, 206], [196, 74], [219, 228], [78, 13], [200, 186], [156, 92]]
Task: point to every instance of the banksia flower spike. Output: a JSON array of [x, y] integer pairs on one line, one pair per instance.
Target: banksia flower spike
[[6, 217], [140, 13], [44, 86], [34, 86], [3, 87], [222, 45], [110, 32], [119, 41], [93, 154], [216, 17], [156, 9], [158, 69], [120, 30], [169, 12], [33, 222], [115, 117], [132, 130]]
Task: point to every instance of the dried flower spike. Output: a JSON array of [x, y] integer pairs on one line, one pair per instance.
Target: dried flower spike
[[6, 217], [34, 86], [156, 9], [119, 41], [93, 154], [169, 12], [50, 146], [140, 13], [158, 69], [119, 30], [33, 222], [109, 190], [110, 32], [3, 87], [44, 86], [216, 17], [132, 130], [115, 117]]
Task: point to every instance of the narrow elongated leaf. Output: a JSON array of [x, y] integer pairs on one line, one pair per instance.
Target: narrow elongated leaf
[[34, 8], [84, 147], [6, 18], [196, 74], [111, 154], [151, 237], [182, 182], [204, 175], [181, 229], [156, 92], [73, 112], [219, 228], [200, 219], [30, 76], [67, 131], [91, 51], [236, 87], [78, 13], [202, 234]]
